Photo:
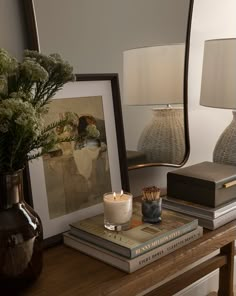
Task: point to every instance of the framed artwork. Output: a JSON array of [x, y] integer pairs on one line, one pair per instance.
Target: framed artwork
[[68, 183]]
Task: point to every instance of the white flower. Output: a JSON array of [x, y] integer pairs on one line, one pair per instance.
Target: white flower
[[26, 88], [7, 63], [15, 110], [31, 70]]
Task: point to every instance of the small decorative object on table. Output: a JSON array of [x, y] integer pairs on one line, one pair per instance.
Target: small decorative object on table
[[25, 90], [117, 210], [151, 204]]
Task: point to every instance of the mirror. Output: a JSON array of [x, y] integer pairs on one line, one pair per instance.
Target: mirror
[[100, 36]]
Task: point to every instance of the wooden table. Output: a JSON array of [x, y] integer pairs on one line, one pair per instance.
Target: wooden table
[[68, 272]]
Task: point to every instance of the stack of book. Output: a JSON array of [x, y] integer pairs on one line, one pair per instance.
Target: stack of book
[[206, 190], [136, 247], [208, 217]]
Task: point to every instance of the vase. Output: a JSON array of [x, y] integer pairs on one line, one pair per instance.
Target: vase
[[21, 235], [225, 151]]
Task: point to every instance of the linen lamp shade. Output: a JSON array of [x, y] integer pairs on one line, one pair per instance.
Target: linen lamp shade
[[219, 74], [154, 76], [218, 90]]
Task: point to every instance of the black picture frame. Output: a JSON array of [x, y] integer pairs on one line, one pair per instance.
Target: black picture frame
[[96, 83]]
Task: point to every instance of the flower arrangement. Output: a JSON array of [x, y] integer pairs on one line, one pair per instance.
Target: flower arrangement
[[26, 89]]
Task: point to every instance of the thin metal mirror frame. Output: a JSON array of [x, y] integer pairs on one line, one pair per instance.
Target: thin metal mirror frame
[[185, 92], [32, 35]]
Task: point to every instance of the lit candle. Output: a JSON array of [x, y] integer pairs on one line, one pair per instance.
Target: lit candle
[[117, 209]]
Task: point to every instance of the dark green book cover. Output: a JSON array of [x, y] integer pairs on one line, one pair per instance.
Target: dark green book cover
[[140, 238]]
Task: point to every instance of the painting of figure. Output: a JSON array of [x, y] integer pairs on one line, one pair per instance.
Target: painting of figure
[[77, 173]]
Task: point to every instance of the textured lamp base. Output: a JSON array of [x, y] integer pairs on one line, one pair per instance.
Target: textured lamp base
[[225, 149], [162, 140]]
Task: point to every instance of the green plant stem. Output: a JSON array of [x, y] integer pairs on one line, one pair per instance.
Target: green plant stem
[[14, 152]]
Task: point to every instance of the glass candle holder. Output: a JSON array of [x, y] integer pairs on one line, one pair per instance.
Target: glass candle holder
[[117, 210]]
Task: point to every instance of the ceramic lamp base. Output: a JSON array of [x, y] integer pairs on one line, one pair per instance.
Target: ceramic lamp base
[[225, 151], [162, 140]]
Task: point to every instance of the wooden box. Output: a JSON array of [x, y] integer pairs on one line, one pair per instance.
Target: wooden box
[[207, 183]]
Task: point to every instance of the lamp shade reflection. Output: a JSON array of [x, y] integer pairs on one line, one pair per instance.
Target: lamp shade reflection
[[154, 76]]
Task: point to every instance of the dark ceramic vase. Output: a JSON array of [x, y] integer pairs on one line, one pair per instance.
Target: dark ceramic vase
[[20, 235]]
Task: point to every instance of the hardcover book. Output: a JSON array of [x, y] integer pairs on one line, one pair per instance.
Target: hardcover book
[[218, 222], [131, 265], [197, 210], [140, 238], [223, 216]]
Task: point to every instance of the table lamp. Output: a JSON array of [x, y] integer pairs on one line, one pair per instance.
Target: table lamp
[[218, 90], [154, 76]]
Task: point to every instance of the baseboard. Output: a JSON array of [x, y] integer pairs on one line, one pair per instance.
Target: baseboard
[[206, 285]]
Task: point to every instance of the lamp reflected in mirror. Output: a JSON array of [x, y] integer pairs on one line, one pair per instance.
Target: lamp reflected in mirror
[[94, 44], [153, 76], [218, 90]]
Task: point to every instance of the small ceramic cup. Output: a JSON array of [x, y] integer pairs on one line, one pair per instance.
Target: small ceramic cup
[[151, 210], [151, 204]]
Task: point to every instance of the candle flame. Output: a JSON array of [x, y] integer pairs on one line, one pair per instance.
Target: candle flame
[[114, 195], [122, 192]]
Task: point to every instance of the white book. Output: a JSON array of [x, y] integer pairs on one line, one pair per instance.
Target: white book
[[218, 222], [208, 223], [130, 265], [197, 210]]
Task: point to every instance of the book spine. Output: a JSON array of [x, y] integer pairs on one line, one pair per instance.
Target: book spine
[[163, 239], [131, 265], [186, 212], [218, 222], [179, 205], [165, 249], [81, 234], [97, 252], [198, 212]]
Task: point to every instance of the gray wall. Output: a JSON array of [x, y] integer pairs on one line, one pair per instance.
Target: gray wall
[[92, 34], [12, 27]]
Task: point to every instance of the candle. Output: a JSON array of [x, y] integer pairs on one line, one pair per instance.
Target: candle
[[117, 210]]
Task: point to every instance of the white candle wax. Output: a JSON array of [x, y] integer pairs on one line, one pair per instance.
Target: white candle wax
[[118, 209]]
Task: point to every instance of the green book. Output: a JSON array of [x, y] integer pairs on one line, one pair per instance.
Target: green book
[[126, 264], [140, 238]]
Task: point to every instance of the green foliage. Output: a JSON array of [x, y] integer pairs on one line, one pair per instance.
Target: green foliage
[[25, 89]]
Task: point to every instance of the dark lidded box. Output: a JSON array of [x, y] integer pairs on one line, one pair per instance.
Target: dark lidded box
[[206, 183]]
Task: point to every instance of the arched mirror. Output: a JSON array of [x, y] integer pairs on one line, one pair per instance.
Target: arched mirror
[[147, 43]]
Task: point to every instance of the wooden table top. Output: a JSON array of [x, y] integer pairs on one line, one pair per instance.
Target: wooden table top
[[68, 272]]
